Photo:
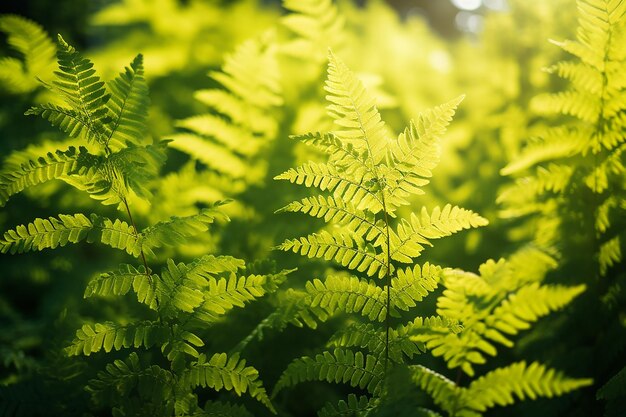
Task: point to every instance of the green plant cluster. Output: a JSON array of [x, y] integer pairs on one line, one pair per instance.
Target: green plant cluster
[[150, 217]]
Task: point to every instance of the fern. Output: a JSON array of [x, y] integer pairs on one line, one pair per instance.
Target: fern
[[230, 373], [342, 365], [34, 45], [583, 155], [506, 298], [370, 175]]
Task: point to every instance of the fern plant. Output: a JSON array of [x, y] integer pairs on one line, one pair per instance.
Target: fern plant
[[504, 300], [580, 161], [369, 176], [115, 166], [228, 140]]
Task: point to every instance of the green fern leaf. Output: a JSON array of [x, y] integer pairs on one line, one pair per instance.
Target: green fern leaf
[[230, 373], [341, 366], [348, 294], [499, 387], [408, 242], [177, 291], [610, 254], [412, 285], [360, 406], [343, 249], [443, 391], [110, 336], [122, 378], [84, 93], [177, 230], [33, 43], [120, 282], [46, 233], [128, 106], [417, 152], [33, 171]]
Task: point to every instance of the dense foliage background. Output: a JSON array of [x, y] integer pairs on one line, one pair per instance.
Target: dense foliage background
[[535, 147]]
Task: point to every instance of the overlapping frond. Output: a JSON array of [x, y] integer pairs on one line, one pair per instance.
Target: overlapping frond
[[122, 378], [411, 285], [340, 366], [443, 391], [504, 300], [226, 372], [36, 48]]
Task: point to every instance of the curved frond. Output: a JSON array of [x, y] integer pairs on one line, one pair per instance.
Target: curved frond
[[340, 366], [524, 381], [57, 165], [444, 392], [110, 336], [128, 106], [125, 279], [224, 372]]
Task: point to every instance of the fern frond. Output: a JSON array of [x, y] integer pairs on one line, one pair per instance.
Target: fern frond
[[120, 282], [34, 44], [342, 248], [499, 387], [128, 106], [444, 392], [212, 155], [221, 409], [335, 210], [417, 152], [123, 377], [355, 406], [46, 233], [610, 254], [412, 285], [340, 366], [110, 336], [316, 24], [230, 373], [526, 306], [223, 294], [177, 291], [348, 294], [355, 111], [358, 187], [177, 230], [83, 91], [408, 242], [57, 165]]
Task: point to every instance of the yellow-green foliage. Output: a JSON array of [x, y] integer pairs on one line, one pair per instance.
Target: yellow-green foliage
[[580, 159]]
